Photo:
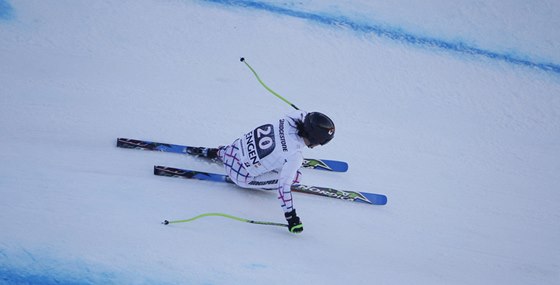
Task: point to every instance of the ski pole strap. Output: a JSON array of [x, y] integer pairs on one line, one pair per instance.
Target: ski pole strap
[[166, 222], [266, 87]]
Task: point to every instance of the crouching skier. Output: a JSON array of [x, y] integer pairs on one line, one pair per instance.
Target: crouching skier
[[270, 156]]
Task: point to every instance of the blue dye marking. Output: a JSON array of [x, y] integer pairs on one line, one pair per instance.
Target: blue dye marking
[[24, 266], [20, 276], [392, 34], [6, 11], [256, 266], [49, 274]]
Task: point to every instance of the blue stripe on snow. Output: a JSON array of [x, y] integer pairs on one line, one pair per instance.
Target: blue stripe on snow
[[45, 273], [6, 10], [18, 276], [393, 34], [20, 266]]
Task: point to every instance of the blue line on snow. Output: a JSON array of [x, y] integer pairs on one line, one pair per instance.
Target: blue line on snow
[[6, 11], [20, 276], [392, 33]]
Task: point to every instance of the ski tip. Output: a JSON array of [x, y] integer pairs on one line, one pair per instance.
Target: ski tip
[[383, 200], [338, 166], [375, 199], [166, 222]]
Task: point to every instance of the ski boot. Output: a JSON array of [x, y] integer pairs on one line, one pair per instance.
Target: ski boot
[[210, 153]]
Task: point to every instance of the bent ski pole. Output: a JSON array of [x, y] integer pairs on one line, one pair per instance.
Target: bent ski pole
[[166, 222], [266, 87]]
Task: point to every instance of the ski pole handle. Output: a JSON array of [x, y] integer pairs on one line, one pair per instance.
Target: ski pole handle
[[266, 87]]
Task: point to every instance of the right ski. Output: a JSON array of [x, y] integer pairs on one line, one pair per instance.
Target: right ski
[[321, 164], [364, 197]]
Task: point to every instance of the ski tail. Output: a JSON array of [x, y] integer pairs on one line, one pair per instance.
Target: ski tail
[[190, 174], [153, 146]]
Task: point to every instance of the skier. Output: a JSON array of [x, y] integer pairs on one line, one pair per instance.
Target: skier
[[270, 156]]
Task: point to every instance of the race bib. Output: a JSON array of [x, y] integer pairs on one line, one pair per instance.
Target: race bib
[[260, 143]]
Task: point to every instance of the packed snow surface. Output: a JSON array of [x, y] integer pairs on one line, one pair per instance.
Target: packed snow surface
[[450, 108]]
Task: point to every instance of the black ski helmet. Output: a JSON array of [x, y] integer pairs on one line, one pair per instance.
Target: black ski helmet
[[318, 129]]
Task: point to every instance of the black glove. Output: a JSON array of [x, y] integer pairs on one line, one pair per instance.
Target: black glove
[[294, 224]]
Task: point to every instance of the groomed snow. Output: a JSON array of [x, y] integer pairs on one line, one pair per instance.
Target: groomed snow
[[466, 147]]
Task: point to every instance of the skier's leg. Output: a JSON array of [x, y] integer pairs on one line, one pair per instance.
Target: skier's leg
[[233, 167]]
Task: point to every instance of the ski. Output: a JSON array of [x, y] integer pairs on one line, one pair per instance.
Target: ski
[[364, 197], [321, 164]]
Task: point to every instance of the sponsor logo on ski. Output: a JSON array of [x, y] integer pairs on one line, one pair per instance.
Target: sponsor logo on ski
[[343, 195], [263, 183], [315, 163]]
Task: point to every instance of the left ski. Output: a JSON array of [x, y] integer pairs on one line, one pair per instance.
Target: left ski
[[312, 163], [364, 197]]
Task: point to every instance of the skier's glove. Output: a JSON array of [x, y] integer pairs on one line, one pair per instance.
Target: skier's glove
[[294, 224]]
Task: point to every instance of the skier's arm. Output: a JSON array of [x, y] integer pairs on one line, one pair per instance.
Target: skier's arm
[[288, 175]]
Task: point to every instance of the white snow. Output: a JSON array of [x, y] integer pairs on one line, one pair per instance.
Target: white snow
[[465, 147]]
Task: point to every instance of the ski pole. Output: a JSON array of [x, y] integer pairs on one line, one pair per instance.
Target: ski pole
[[266, 87], [166, 222]]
